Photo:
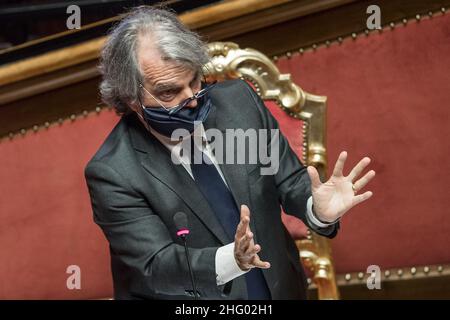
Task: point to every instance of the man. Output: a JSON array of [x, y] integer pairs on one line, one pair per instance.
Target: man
[[239, 248]]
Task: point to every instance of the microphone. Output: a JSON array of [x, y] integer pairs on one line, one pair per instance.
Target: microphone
[[181, 222]]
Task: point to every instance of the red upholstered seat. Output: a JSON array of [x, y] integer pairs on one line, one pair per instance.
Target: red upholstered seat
[[292, 130]]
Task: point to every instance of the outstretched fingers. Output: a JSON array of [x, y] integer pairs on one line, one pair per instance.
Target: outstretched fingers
[[243, 225], [339, 166], [258, 263], [358, 169], [314, 176], [361, 183], [361, 197]]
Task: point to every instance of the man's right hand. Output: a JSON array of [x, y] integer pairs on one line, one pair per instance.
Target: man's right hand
[[245, 249]]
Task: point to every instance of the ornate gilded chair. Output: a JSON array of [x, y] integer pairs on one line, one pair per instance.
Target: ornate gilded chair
[[228, 61]]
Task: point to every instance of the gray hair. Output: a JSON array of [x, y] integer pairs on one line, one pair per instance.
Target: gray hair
[[119, 64]]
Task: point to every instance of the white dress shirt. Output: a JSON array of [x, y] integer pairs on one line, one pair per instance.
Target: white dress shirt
[[227, 268]]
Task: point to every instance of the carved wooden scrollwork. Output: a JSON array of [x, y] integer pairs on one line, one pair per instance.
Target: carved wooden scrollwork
[[228, 61]]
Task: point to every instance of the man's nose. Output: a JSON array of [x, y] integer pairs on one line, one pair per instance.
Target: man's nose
[[190, 93], [192, 104]]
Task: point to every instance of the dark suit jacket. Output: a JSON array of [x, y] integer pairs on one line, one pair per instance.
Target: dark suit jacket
[[135, 190]]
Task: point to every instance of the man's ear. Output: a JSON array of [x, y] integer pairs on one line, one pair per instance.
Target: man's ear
[[136, 107]]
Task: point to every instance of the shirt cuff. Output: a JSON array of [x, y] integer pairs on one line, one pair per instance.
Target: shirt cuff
[[312, 217], [227, 268]]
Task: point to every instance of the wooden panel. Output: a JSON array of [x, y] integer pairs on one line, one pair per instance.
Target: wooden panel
[[427, 282], [49, 106], [305, 30], [423, 288]]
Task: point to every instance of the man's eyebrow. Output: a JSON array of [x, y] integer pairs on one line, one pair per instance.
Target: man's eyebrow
[[161, 87]]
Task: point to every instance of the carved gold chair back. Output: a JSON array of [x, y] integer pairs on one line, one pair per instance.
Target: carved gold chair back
[[228, 61]]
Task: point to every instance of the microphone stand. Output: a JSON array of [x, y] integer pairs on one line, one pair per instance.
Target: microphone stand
[[186, 251]]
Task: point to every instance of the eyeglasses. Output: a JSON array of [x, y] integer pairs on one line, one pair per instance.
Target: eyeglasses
[[183, 103]]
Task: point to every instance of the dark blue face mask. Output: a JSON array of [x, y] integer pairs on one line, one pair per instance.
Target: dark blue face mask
[[165, 123], [180, 117]]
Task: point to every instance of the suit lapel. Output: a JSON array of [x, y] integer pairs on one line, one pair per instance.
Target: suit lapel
[[156, 160]]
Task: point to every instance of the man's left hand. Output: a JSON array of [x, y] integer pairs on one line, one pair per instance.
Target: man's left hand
[[332, 199]]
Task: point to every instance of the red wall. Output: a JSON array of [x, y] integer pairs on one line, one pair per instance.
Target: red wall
[[389, 99], [46, 214]]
